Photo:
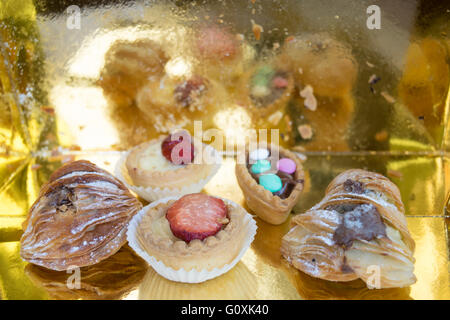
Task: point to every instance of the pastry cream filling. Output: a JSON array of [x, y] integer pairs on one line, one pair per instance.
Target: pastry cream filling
[[152, 159], [160, 228]]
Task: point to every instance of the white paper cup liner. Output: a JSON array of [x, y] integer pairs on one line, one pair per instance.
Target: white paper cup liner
[[181, 275], [154, 193]]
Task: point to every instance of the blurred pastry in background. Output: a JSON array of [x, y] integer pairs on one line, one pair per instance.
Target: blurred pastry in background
[[325, 127], [322, 62], [221, 54], [425, 81], [358, 230], [268, 89], [128, 65], [169, 102], [325, 71], [109, 279]]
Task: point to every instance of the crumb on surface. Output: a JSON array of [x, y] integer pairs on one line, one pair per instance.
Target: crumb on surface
[[305, 131], [381, 136], [310, 100], [257, 30], [387, 97], [275, 117]]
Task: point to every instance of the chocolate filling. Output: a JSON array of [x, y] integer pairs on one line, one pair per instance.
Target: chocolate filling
[[354, 186], [63, 200], [345, 268], [359, 222]]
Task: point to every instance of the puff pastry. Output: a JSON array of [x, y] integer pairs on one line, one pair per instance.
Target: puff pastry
[[269, 207], [358, 230], [79, 218]]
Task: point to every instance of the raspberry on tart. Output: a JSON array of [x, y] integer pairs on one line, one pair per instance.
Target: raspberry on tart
[[197, 216]]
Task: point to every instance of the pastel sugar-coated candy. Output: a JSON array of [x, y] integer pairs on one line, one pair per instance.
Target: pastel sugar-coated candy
[[286, 165], [271, 182], [259, 154], [260, 166]]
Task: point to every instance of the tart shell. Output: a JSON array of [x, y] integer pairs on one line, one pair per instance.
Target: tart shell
[[196, 261], [156, 185], [262, 202], [277, 105]]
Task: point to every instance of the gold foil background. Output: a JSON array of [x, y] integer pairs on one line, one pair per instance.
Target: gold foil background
[[52, 111]]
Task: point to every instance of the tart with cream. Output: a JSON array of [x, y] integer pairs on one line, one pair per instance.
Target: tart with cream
[[192, 238], [272, 180], [175, 164]]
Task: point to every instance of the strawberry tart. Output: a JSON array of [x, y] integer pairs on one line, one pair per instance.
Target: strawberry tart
[[192, 238]]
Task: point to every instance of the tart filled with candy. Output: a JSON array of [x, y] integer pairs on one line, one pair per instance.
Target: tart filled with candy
[[192, 238], [268, 89], [175, 164], [272, 180]]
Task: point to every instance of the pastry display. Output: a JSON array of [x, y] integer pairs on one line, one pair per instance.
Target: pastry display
[[128, 65], [220, 54], [268, 89], [176, 164], [272, 180], [79, 218], [192, 238], [111, 278], [322, 62], [170, 101], [358, 230]]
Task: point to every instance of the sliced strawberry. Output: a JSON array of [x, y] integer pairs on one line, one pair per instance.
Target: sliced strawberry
[[197, 216], [167, 149]]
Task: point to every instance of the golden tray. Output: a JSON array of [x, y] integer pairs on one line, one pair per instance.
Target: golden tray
[[52, 110]]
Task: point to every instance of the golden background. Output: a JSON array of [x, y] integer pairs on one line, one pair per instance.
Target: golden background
[[52, 111]]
